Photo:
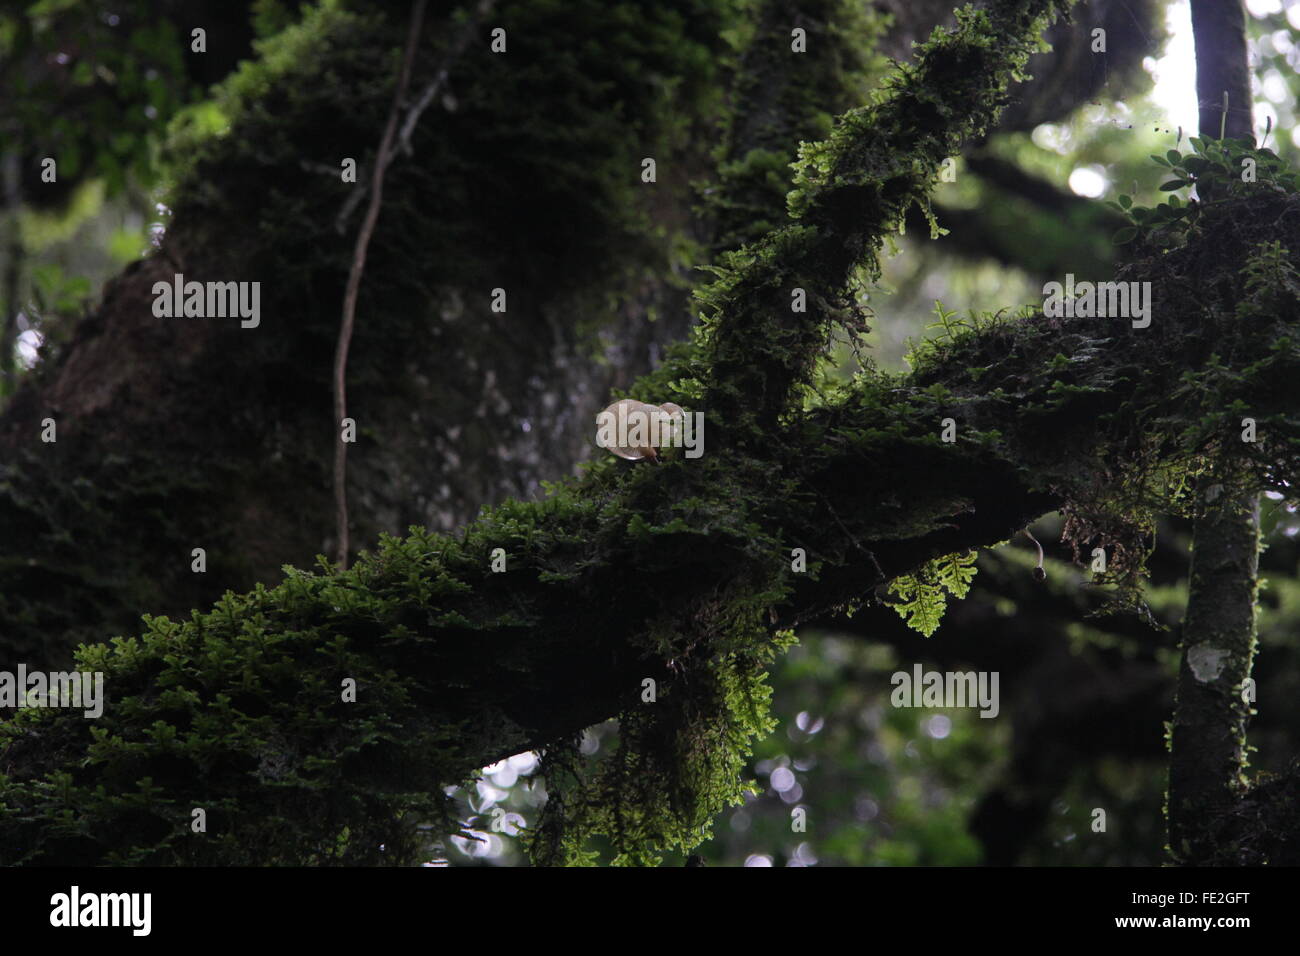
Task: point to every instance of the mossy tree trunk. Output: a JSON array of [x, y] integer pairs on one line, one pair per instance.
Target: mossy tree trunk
[[1207, 758], [1208, 738]]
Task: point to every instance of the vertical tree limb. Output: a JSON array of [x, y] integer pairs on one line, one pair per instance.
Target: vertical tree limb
[[1219, 30], [354, 282], [14, 255], [1208, 738]]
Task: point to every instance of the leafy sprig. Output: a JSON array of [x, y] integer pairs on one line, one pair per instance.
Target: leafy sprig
[[1226, 163]]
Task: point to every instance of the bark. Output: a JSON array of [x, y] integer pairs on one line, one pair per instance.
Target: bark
[[1208, 737], [1219, 30]]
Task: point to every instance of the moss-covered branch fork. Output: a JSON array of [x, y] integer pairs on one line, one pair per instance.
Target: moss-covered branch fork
[[678, 572]]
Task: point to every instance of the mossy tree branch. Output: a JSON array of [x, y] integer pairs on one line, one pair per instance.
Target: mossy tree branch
[[854, 190]]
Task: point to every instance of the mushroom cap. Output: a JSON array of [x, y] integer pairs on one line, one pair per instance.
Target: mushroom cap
[[620, 411]]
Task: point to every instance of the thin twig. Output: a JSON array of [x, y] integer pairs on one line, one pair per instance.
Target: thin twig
[[419, 106], [354, 282], [871, 556]]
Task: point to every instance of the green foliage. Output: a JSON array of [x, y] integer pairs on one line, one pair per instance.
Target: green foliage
[[90, 86], [950, 327], [922, 593], [55, 291], [1270, 281], [239, 712], [1226, 169], [677, 765]]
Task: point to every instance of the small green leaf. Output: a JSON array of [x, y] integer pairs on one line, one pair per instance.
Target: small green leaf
[[1160, 159], [1174, 157], [1125, 235], [1172, 185], [1125, 201]]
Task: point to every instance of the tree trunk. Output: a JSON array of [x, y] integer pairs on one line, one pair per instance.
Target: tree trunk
[[1222, 69], [1208, 738]]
